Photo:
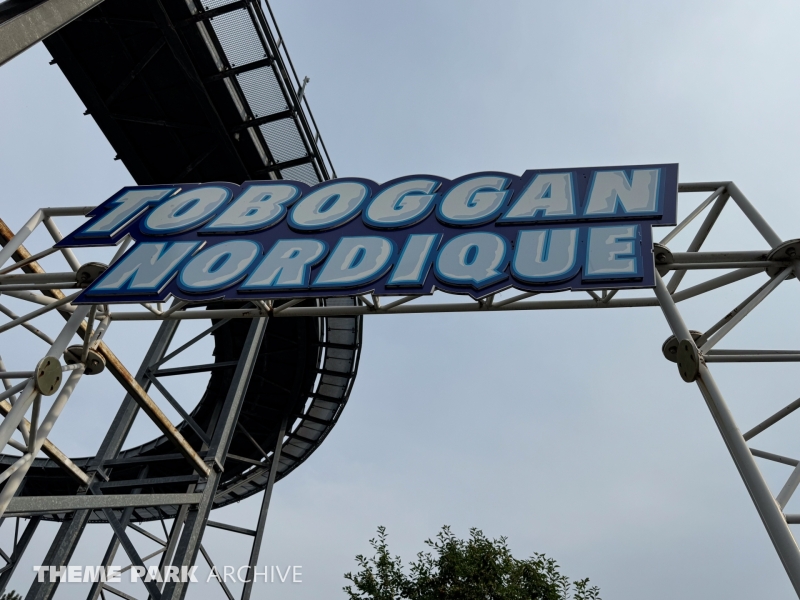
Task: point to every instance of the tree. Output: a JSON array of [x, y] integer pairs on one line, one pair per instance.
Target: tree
[[12, 595], [474, 569]]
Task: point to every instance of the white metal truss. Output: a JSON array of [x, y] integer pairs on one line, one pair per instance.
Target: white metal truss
[[772, 264]]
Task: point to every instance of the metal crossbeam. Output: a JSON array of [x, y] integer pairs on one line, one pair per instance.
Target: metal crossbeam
[[194, 369], [207, 15], [183, 544], [25, 506], [278, 116], [276, 167], [156, 122], [232, 528], [189, 544], [256, 64], [44, 19]]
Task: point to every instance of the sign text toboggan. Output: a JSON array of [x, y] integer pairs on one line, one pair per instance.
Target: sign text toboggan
[[547, 230]]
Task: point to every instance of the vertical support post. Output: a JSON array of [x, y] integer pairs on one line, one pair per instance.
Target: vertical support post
[[60, 553], [123, 421], [97, 587], [192, 535], [768, 509], [262, 516], [70, 532], [172, 541]]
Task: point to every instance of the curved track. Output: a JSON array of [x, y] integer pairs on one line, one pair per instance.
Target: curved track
[[305, 368]]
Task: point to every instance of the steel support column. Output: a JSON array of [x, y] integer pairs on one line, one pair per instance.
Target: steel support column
[[59, 554], [768, 509], [70, 532], [262, 515], [192, 535], [111, 551]]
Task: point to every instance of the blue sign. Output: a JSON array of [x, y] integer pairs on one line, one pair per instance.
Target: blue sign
[[548, 230]]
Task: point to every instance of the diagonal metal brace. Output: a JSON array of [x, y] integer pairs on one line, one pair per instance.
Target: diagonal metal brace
[[118, 370]]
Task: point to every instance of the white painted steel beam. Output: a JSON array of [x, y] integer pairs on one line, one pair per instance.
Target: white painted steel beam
[[741, 264]]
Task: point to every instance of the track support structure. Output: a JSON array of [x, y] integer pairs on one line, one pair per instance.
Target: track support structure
[[34, 396]]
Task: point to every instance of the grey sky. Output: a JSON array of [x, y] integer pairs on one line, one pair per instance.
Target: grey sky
[[568, 432]]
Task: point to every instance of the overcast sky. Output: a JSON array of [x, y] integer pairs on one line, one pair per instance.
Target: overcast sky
[[568, 432]]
